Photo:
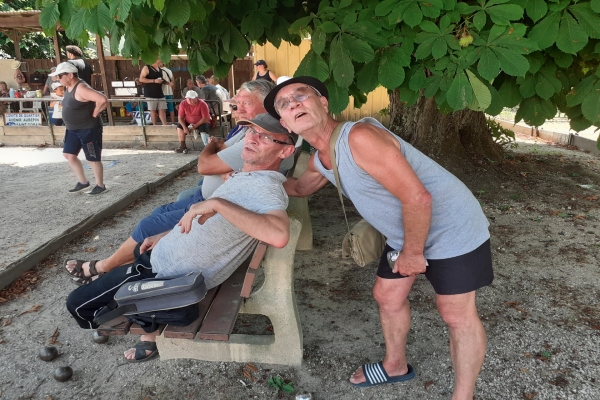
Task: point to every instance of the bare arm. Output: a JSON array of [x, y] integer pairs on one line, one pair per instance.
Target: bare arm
[[84, 92], [402, 182], [145, 71], [209, 162], [273, 76], [272, 228], [308, 183]]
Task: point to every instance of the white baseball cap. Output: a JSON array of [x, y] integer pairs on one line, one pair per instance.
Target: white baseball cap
[[65, 68], [56, 85], [191, 94]]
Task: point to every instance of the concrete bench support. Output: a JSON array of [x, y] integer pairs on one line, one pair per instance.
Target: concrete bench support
[[274, 299], [298, 207]]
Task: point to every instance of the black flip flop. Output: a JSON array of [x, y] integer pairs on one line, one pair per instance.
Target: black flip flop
[[140, 352]]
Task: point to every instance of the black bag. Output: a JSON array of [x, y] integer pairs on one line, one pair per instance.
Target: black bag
[[157, 301], [36, 77]]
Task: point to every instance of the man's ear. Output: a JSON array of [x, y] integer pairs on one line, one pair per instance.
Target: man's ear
[[325, 103], [287, 151]]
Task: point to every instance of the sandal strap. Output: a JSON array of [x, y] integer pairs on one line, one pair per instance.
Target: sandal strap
[[141, 347], [93, 270]]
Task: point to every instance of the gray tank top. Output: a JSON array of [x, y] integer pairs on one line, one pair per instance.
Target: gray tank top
[[78, 114], [458, 225]]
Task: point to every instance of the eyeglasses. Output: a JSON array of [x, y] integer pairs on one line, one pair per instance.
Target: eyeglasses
[[61, 75], [261, 136], [299, 94], [233, 107]]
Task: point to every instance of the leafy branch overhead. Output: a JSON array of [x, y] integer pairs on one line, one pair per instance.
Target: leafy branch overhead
[[542, 56]]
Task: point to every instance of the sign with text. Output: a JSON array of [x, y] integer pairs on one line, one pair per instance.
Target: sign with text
[[23, 119]]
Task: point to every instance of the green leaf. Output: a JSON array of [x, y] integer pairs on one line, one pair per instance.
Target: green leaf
[[102, 15], [595, 4], [536, 9], [534, 111], [460, 93], [49, 16], [165, 53], [545, 32], [158, 4], [407, 96], [424, 49], [439, 48], [300, 24], [588, 21], [329, 27], [340, 64], [391, 75], [481, 92], [313, 65], [496, 105], [238, 43], [208, 58], [367, 79], [77, 25], [385, 7], [479, 20], [432, 84], [489, 65], [357, 49], [338, 97], [178, 13], [429, 26], [512, 62], [131, 47], [509, 93], [503, 14], [286, 388], [318, 41], [121, 8], [571, 38], [88, 3], [418, 79], [527, 88], [580, 124], [368, 31], [344, 3], [413, 15], [591, 106], [544, 87]]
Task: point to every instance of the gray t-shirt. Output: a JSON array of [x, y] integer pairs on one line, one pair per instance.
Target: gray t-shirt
[[458, 225], [232, 156], [217, 248]]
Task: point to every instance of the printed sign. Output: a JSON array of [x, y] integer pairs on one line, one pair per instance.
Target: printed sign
[[24, 119]]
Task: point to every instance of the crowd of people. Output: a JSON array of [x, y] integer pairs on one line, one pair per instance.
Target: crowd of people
[[426, 214]]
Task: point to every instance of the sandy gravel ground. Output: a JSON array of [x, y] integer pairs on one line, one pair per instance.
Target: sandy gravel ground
[[542, 313]]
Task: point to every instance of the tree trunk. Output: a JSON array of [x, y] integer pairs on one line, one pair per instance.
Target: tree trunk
[[458, 141]]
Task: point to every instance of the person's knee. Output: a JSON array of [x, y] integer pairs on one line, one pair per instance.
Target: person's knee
[[69, 156], [73, 301], [389, 297], [457, 310]]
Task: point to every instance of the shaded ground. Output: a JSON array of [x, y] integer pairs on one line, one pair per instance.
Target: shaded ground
[[542, 313]]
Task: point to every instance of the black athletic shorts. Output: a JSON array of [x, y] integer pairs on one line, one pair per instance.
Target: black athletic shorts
[[455, 275]]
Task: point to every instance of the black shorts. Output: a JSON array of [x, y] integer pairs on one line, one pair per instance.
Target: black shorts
[[90, 140], [201, 128], [455, 275]]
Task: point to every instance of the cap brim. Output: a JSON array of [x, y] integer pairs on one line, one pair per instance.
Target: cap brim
[[269, 102]]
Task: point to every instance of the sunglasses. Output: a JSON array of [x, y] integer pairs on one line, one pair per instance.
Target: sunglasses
[[261, 136], [233, 107], [61, 75], [299, 94]]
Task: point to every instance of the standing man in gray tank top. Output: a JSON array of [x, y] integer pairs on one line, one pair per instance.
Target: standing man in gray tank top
[[81, 113], [425, 212]]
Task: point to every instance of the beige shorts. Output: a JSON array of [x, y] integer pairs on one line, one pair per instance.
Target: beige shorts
[[156, 105]]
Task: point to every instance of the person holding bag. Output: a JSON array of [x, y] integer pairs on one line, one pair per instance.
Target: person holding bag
[[429, 216]]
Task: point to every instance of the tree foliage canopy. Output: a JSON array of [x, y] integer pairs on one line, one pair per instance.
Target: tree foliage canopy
[[542, 56]]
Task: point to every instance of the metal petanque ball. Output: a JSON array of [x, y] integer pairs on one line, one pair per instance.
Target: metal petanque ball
[[63, 374], [48, 353], [100, 338]]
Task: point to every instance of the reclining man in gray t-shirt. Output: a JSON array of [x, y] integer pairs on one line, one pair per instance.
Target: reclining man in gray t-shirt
[[215, 236]]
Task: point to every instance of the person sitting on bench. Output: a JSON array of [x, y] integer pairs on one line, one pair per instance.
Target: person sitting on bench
[[249, 207]]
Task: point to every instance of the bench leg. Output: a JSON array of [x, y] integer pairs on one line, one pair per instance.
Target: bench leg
[[276, 300], [298, 207]]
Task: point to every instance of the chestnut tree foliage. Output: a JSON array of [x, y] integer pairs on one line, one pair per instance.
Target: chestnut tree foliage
[[541, 56]]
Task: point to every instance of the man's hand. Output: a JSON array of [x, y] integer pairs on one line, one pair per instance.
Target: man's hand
[[204, 209], [410, 265], [150, 242]]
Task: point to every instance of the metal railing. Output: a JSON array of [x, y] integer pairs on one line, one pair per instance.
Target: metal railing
[[212, 105]]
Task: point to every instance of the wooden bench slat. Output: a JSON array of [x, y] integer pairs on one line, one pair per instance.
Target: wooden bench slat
[[137, 329], [189, 331], [118, 326], [257, 257], [222, 314]]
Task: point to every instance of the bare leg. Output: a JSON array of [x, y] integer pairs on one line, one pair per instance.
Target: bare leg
[[163, 116], [173, 120], [394, 312], [180, 135], [130, 354], [76, 166], [153, 117], [123, 255], [467, 340], [98, 170]]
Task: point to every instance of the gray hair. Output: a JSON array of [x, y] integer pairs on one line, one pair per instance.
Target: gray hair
[[259, 88]]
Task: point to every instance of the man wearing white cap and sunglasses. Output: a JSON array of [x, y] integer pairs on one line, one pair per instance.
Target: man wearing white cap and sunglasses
[[193, 116], [82, 106]]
